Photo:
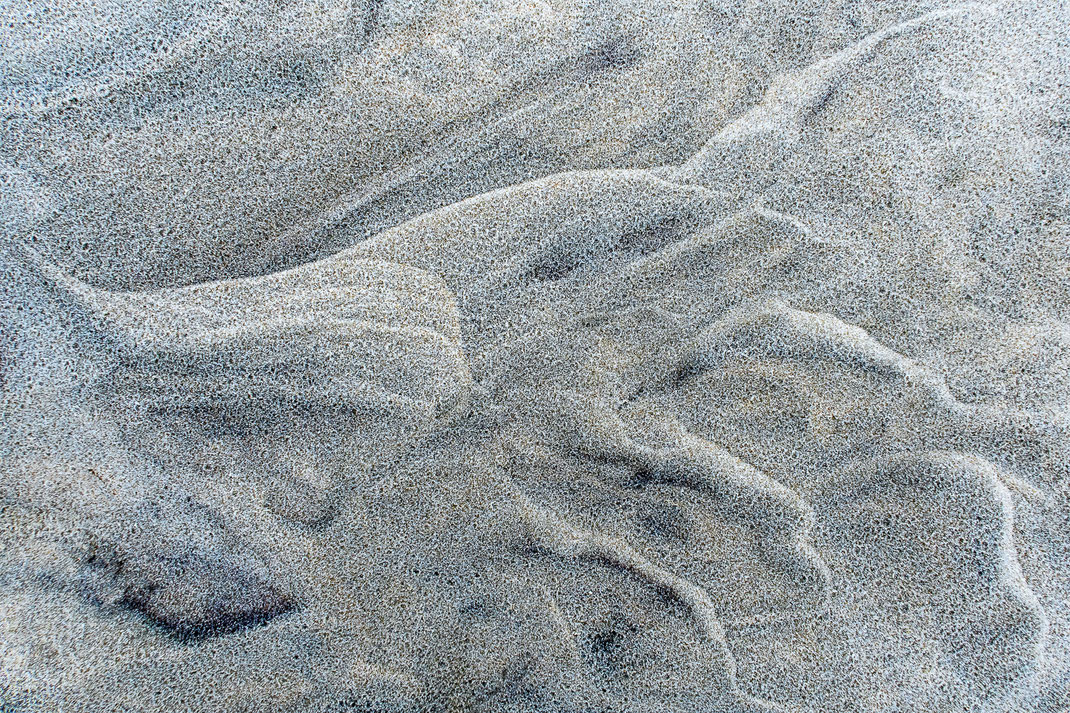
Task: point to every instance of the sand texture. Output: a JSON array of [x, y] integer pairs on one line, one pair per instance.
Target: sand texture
[[548, 357]]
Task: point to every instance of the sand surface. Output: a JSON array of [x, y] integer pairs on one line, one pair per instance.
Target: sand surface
[[548, 357]]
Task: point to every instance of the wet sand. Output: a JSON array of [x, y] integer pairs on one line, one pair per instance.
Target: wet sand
[[535, 357]]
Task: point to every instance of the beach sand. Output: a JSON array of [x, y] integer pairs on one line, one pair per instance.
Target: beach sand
[[550, 357]]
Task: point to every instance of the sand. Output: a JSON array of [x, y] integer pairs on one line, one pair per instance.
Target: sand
[[551, 357]]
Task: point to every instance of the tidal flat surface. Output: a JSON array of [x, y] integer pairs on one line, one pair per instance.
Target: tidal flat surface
[[547, 357]]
